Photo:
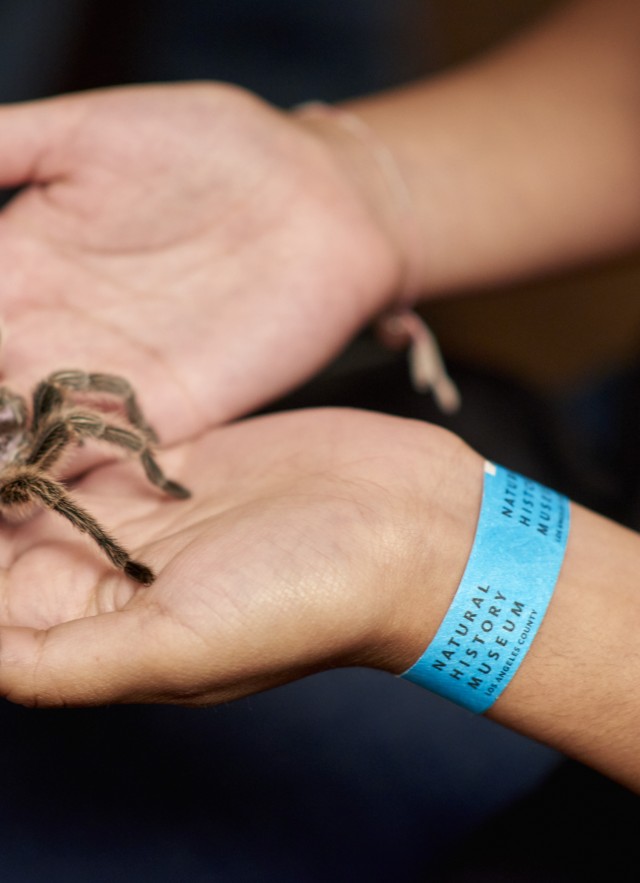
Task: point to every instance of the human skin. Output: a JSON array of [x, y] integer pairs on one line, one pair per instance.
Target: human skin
[[218, 252], [523, 162], [314, 539], [191, 238], [306, 534]]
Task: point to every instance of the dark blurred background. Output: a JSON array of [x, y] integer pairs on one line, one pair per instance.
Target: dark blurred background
[[350, 775]]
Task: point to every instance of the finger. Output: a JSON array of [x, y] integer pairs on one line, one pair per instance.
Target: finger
[[112, 657], [138, 655], [30, 134]]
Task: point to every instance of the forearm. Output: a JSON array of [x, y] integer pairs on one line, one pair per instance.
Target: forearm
[[326, 538], [577, 687], [526, 161]]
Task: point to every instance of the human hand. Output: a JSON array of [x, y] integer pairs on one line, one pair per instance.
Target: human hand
[[206, 246], [313, 539]]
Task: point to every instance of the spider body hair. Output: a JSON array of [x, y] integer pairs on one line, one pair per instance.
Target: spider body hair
[[33, 441]]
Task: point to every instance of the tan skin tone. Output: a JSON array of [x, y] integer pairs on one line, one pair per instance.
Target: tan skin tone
[[299, 549], [220, 208], [278, 235], [217, 206], [315, 539], [525, 161]]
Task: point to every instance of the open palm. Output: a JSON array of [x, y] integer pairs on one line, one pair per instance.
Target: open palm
[[311, 540], [189, 237]]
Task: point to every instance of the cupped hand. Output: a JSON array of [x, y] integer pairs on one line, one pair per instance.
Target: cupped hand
[[313, 539], [190, 237]]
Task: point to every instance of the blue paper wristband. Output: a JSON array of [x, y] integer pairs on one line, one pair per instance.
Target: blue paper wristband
[[504, 593]]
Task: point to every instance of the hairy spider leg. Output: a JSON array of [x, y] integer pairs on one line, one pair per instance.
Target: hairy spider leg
[[48, 445], [88, 424], [46, 399], [13, 411], [26, 486], [109, 384], [13, 424]]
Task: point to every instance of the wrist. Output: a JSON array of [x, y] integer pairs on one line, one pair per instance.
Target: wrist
[[373, 174], [433, 535], [577, 688]]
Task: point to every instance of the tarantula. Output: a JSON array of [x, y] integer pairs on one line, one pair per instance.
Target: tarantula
[[31, 447]]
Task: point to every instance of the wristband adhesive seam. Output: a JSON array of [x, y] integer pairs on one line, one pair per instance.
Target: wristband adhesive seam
[[504, 593]]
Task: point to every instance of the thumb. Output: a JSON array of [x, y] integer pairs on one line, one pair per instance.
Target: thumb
[[113, 657], [30, 134]]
